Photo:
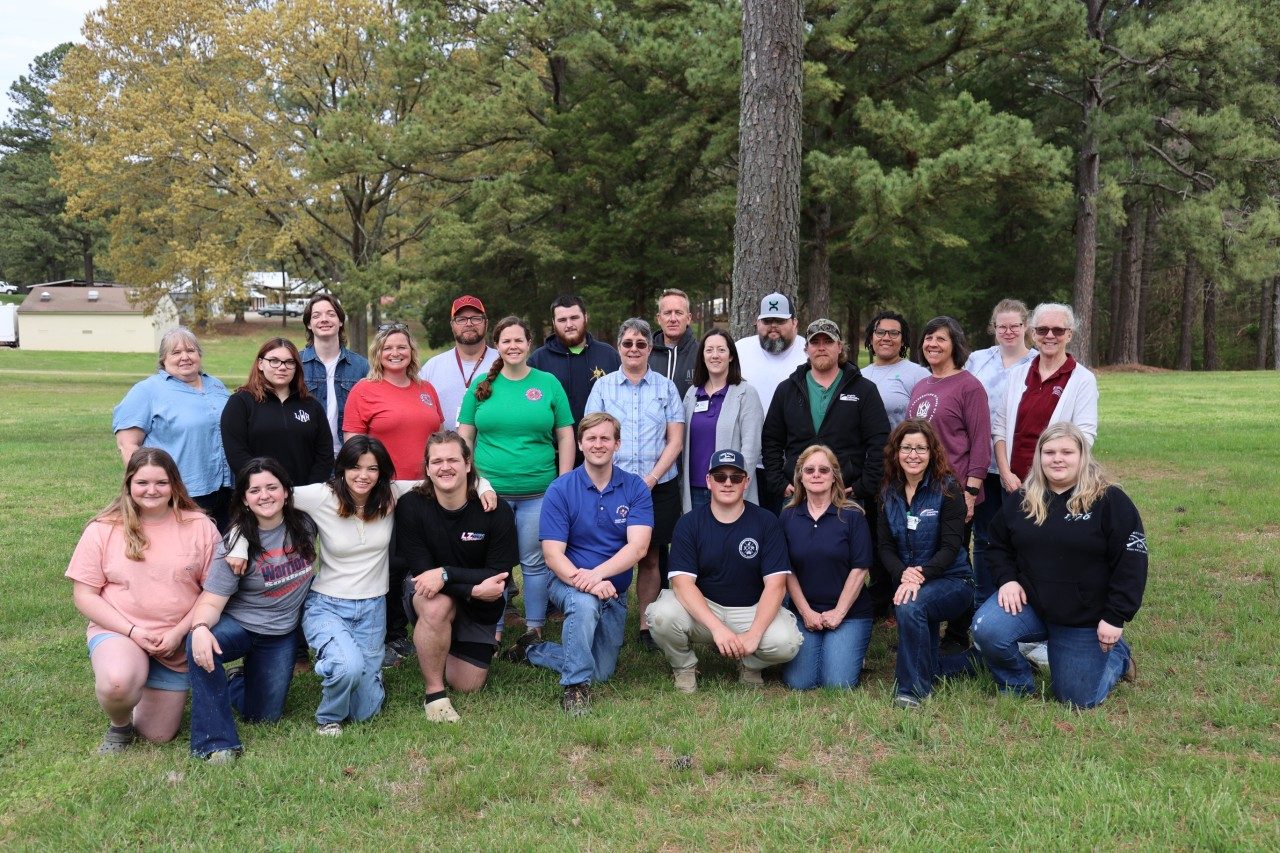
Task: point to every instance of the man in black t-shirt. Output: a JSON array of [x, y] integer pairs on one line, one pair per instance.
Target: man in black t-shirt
[[729, 570], [460, 559]]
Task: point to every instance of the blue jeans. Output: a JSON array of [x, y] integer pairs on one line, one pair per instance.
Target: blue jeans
[[830, 658], [347, 636], [590, 639], [533, 569], [258, 696], [993, 498], [1080, 672], [919, 664], [699, 496]]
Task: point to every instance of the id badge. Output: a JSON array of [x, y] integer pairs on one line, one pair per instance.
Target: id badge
[[913, 521], [701, 405]]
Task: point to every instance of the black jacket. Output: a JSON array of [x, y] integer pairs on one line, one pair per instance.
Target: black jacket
[[855, 428], [294, 432], [675, 363], [577, 373], [1076, 569]]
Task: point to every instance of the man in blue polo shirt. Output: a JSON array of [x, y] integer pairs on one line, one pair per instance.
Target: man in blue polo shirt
[[729, 570], [596, 523]]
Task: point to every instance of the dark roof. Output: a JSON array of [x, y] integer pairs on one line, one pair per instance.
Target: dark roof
[[77, 297]]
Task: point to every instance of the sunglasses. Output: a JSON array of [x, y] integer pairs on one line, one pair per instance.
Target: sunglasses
[[810, 470], [641, 344], [1044, 331], [393, 327], [736, 477]]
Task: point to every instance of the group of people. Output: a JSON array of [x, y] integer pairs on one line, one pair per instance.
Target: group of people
[[771, 498]]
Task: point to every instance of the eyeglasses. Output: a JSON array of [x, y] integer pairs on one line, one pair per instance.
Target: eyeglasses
[[775, 321], [278, 363], [893, 334], [393, 327], [913, 450], [810, 470], [726, 477], [640, 344], [469, 320], [1044, 331], [1006, 329]]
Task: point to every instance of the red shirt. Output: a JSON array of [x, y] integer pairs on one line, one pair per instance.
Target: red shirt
[[401, 418], [1035, 408]]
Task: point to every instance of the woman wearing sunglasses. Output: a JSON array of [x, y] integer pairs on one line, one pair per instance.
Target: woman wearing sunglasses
[[830, 549], [649, 408], [921, 543], [272, 415]]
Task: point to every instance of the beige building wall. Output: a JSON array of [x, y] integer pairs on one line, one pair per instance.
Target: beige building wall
[[96, 332]]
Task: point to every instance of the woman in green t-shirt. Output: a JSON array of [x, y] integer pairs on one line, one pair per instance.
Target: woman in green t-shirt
[[518, 422]]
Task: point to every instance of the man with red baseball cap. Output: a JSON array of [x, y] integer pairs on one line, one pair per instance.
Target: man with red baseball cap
[[453, 371]]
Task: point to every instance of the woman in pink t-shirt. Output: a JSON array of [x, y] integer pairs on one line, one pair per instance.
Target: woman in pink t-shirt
[[138, 571]]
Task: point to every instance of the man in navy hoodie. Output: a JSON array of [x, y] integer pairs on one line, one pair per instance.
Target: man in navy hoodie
[[572, 355]]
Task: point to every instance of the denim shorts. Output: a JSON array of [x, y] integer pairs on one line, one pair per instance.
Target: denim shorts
[[159, 676]]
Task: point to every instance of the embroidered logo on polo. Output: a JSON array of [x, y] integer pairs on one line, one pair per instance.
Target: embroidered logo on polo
[[1137, 543], [533, 395], [1057, 390], [924, 407], [469, 536], [621, 512], [748, 548], [302, 417]]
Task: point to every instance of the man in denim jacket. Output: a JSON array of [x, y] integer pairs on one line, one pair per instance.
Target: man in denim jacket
[[329, 368]]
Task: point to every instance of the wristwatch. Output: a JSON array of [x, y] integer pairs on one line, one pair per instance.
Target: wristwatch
[[973, 490], [444, 575]]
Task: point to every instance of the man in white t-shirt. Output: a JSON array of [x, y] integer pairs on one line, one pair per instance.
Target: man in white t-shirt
[[769, 357], [452, 371]]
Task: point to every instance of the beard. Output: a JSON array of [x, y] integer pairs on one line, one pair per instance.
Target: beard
[[577, 340], [773, 346], [468, 336]]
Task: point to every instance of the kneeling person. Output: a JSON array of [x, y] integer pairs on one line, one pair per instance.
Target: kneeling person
[[596, 524], [459, 559], [729, 570]]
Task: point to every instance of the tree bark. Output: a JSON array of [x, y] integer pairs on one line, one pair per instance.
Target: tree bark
[[1188, 317], [1264, 322], [1087, 195], [766, 234], [1120, 283], [819, 298], [1210, 330], [1144, 280], [1275, 325], [86, 255], [1132, 278]]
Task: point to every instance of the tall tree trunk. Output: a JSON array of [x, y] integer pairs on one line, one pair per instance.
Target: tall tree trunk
[[766, 233], [86, 256], [1144, 281], [1264, 322], [1210, 323], [1122, 282], [819, 297], [1115, 288], [1186, 332], [1129, 353], [1275, 325], [1087, 194]]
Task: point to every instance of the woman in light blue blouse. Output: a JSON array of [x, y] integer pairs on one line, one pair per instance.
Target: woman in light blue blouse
[[992, 367], [179, 410]]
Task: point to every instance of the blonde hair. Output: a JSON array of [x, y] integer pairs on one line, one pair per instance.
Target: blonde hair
[[380, 340], [838, 498], [123, 512], [1012, 306], [594, 420], [1091, 483]]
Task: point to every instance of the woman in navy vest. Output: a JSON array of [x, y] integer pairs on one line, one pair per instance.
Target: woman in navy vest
[[921, 543]]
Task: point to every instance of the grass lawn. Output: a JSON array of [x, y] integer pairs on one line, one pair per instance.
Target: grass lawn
[[1188, 758]]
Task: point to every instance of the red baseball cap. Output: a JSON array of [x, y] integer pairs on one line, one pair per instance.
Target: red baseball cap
[[466, 301]]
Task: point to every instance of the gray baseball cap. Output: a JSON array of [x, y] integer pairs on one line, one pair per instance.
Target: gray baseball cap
[[775, 305]]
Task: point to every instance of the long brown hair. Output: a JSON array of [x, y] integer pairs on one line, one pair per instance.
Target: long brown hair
[[485, 389], [838, 498], [446, 436], [123, 512], [256, 384], [381, 500], [939, 470]]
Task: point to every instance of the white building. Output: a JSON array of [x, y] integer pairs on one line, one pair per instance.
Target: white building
[[99, 317]]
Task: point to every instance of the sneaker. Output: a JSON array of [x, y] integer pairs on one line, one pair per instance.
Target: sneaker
[[906, 703], [750, 677], [236, 670], [223, 756], [686, 679], [114, 742], [518, 652], [329, 729], [1131, 671], [440, 711], [647, 642], [576, 700], [1037, 654], [396, 651]]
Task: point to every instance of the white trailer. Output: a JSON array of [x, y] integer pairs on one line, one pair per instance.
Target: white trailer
[[8, 325]]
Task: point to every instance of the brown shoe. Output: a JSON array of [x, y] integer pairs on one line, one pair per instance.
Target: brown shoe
[[1131, 671], [686, 679]]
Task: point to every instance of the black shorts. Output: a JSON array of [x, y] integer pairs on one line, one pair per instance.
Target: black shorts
[[474, 626], [667, 507]]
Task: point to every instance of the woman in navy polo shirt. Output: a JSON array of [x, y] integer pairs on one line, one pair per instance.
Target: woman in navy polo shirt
[[830, 549]]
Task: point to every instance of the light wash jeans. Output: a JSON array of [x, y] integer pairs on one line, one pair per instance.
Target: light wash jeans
[[675, 632], [534, 574], [829, 658], [589, 640], [1080, 672], [347, 636]]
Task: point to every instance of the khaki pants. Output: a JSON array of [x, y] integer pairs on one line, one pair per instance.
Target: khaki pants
[[675, 632]]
